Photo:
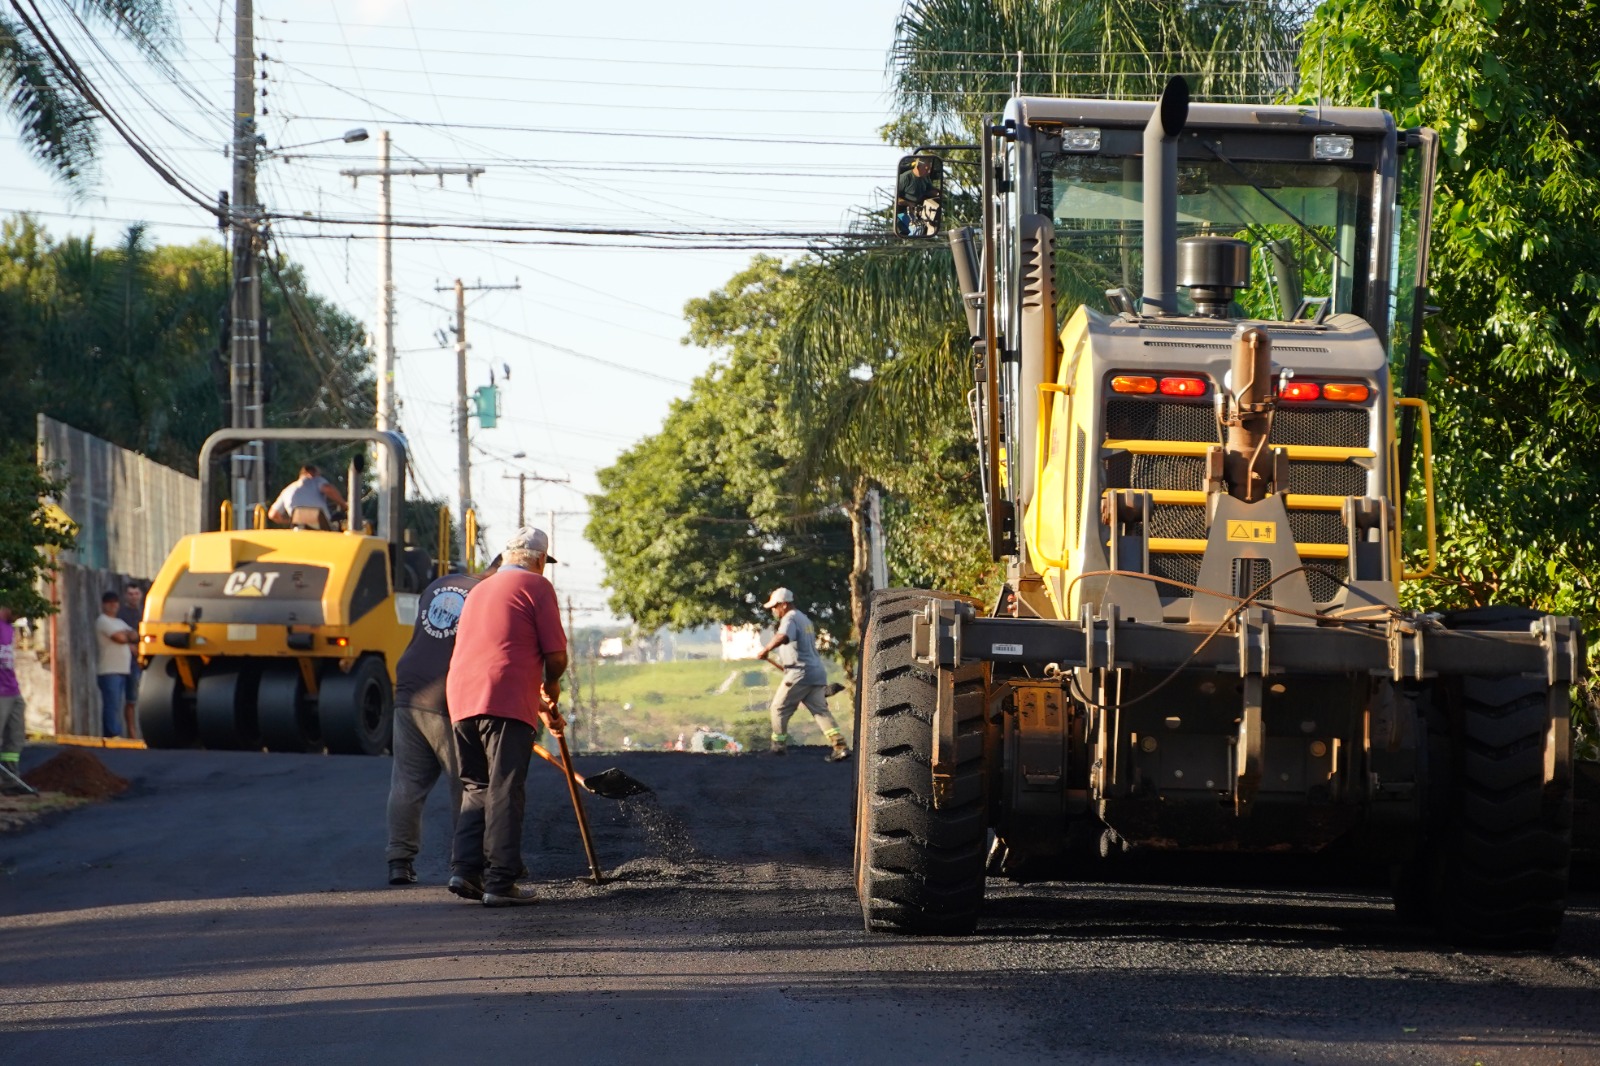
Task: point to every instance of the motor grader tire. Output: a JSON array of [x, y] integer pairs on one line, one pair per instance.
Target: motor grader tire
[[1501, 840], [1505, 848], [355, 709], [919, 869], [165, 708]]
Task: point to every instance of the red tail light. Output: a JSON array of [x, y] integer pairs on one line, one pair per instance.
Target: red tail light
[[1183, 387], [1300, 391]]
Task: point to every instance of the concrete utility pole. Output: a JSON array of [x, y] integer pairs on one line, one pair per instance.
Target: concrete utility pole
[[383, 336], [248, 473], [463, 415]]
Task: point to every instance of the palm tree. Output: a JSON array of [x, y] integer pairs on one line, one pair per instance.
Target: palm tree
[[46, 94]]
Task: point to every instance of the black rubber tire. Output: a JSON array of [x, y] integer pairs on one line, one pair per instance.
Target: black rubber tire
[[919, 870], [1499, 849], [355, 710], [225, 708], [285, 711], [165, 708]]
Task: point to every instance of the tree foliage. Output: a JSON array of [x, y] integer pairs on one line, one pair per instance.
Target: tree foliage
[[1512, 88], [126, 342], [27, 533], [44, 95], [697, 522]]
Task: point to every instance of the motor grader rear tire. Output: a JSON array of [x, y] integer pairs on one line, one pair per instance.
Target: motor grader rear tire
[[919, 869]]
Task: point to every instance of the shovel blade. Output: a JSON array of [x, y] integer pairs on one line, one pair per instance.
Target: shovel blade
[[614, 784]]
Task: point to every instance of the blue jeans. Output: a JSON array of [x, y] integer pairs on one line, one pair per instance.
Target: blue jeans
[[113, 693]]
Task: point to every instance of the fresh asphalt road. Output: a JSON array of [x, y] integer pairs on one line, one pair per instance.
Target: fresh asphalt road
[[231, 908]]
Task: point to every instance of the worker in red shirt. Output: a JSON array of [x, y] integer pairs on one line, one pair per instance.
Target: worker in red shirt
[[504, 681]]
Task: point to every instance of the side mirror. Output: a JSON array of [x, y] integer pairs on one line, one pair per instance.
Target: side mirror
[[919, 196]]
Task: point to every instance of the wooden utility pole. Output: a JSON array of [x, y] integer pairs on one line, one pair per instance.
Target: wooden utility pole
[[383, 339], [248, 472], [463, 411], [522, 480]]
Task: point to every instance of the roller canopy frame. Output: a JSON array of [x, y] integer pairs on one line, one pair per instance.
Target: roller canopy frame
[[391, 486]]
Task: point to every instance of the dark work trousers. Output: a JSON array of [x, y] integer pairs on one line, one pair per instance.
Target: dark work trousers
[[424, 749], [493, 753]]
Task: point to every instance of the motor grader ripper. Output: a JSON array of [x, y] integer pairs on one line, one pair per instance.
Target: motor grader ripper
[[284, 639], [1200, 500]]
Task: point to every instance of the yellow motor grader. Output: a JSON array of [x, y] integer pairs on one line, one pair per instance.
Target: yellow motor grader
[[1201, 495]]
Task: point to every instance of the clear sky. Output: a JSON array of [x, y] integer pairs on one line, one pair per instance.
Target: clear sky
[[729, 117]]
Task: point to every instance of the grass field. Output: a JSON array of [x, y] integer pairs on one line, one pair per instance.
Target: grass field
[[651, 704]]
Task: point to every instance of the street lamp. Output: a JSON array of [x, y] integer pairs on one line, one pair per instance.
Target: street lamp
[[349, 137]]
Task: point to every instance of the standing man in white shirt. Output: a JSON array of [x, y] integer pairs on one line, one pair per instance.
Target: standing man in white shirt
[[114, 639], [805, 679]]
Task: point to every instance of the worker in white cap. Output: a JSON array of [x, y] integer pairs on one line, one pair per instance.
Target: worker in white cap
[[805, 680]]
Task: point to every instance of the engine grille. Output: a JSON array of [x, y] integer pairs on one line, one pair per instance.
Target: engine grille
[[1141, 419]]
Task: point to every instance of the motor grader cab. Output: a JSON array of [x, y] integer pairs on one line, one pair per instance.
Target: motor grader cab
[[1201, 498], [284, 639]]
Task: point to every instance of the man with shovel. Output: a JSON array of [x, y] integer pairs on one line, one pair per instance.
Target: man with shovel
[[504, 681], [805, 679]]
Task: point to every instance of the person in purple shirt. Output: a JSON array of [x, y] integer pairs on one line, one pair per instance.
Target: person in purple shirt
[[12, 711]]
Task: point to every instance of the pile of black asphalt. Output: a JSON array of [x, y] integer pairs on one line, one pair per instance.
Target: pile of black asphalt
[[233, 908]]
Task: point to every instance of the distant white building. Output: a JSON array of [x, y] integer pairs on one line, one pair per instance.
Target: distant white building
[[741, 642], [612, 648]]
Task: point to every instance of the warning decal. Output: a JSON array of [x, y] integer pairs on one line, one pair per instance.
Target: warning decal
[[1256, 532]]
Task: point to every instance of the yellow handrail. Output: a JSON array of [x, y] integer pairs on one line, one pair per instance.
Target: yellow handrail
[[443, 565], [225, 517], [1045, 387], [258, 517], [469, 534], [1427, 487]]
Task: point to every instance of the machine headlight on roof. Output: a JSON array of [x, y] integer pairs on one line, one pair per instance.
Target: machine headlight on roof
[[1080, 140], [1334, 147]]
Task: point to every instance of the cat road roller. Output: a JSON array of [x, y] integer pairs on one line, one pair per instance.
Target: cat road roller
[[283, 639], [1201, 498]]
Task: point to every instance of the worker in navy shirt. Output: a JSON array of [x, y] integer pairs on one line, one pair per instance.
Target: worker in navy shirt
[[423, 745]]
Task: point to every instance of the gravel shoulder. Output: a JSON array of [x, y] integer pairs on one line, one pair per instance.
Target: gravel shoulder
[[232, 908]]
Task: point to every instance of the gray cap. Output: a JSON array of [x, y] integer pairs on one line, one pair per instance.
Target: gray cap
[[779, 595], [529, 539]]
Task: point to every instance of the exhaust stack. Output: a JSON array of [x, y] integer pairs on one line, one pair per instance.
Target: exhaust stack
[[1161, 198]]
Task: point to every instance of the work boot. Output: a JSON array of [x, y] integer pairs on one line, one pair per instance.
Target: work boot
[[466, 887], [401, 872], [778, 748], [839, 753], [515, 896]]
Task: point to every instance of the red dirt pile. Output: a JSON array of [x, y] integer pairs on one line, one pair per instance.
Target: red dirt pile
[[76, 773]]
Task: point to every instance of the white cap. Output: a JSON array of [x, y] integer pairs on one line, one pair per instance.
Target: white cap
[[779, 596], [529, 539]]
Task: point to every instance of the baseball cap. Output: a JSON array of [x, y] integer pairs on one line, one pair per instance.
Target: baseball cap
[[529, 539], [779, 596]]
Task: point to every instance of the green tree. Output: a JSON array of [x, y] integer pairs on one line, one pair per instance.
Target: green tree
[[125, 342], [27, 533], [697, 522], [1514, 375], [46, 95]]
